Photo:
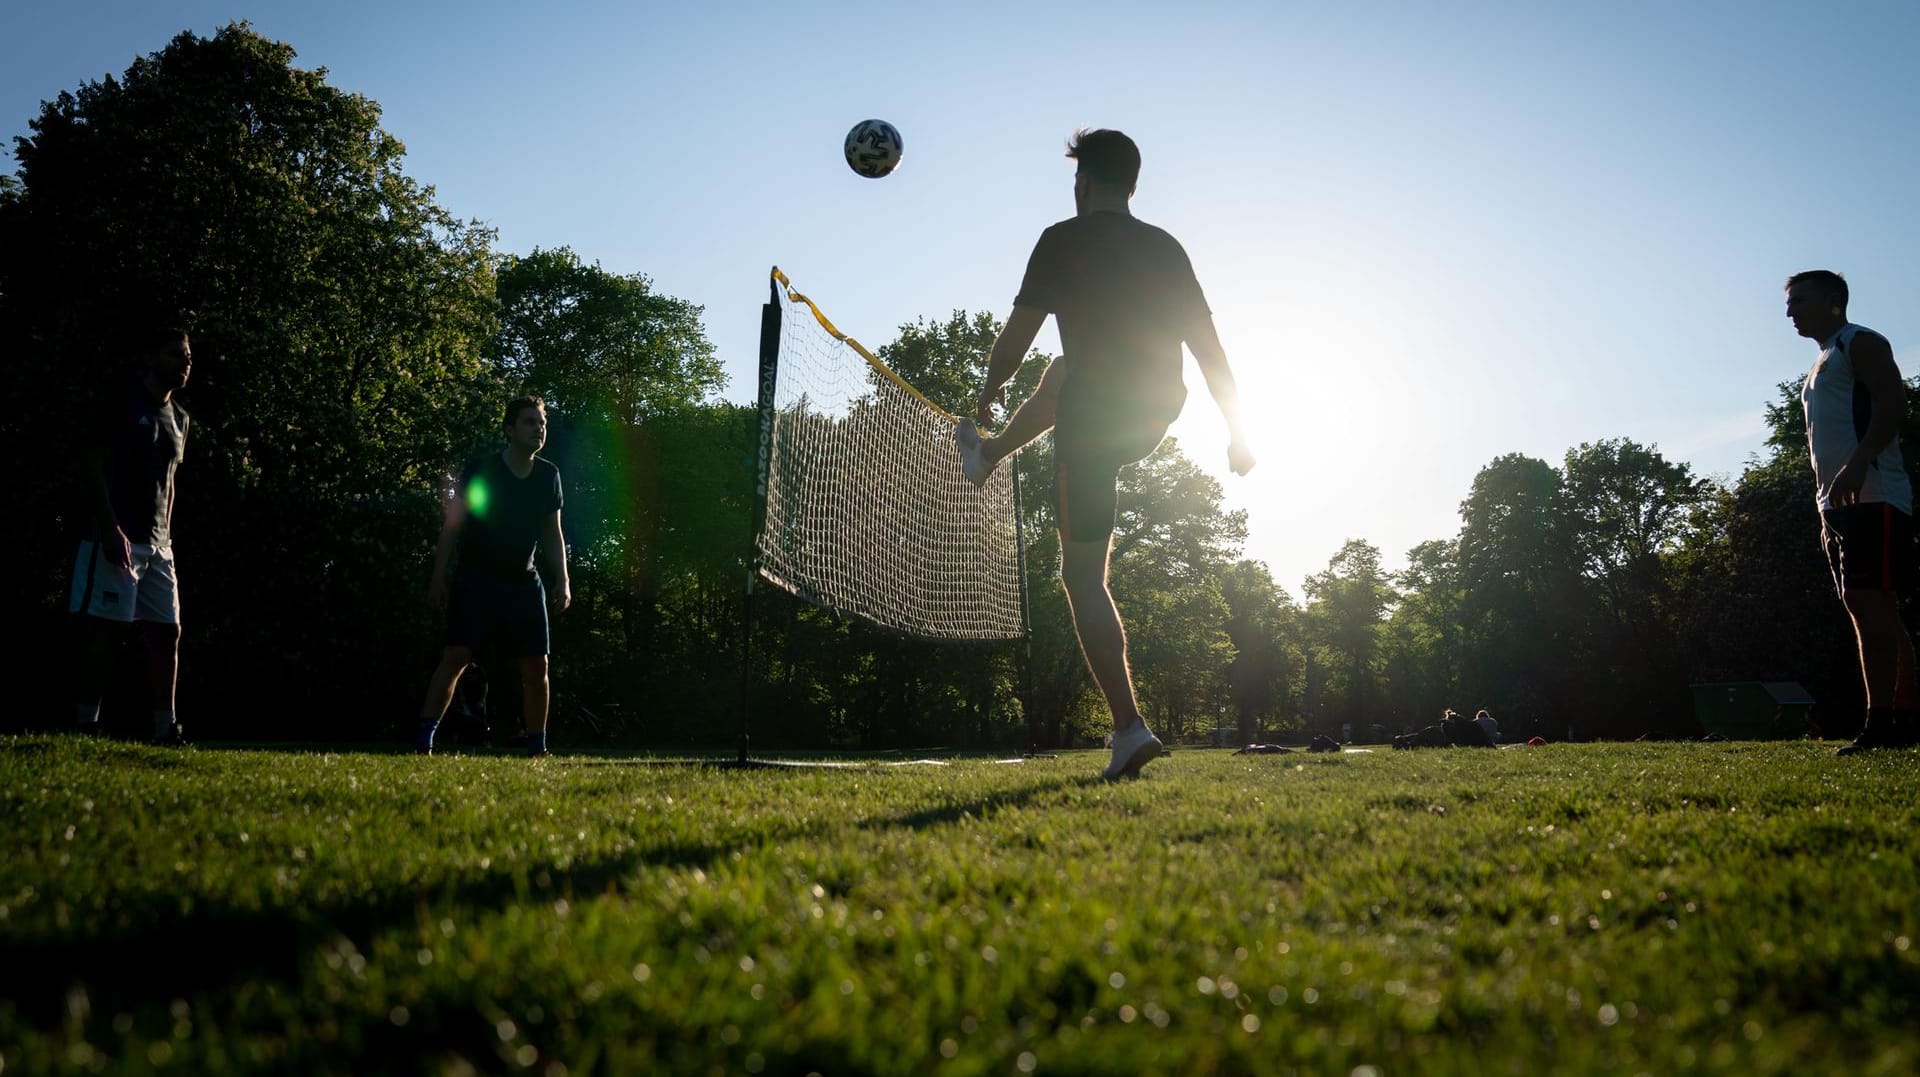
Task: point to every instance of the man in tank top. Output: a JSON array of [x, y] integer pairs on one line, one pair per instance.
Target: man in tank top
[[1854, 401]]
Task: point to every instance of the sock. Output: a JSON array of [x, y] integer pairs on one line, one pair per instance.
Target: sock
[[162, 723], [537, 741], [1879, 721], [88, 715], [423, 734]]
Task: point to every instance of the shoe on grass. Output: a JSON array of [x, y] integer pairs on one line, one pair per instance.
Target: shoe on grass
[[1133, 747], [1879, 735]]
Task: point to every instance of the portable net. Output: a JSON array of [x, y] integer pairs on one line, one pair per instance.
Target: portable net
[[866, 511]]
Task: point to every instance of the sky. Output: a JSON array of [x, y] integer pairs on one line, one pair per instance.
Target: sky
[[1431, 234]]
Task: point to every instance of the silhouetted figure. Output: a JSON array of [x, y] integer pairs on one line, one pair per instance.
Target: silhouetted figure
[[1126, 298], [124, 572], [504, 508], [1854, 402]]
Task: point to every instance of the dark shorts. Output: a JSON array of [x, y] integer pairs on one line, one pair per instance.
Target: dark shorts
[[1087, 458], [487, 612], [1869, 548]]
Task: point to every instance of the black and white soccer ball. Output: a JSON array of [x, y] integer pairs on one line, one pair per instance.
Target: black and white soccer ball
[[873, 148]]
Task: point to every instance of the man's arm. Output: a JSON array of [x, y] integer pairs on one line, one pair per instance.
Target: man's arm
[[455, 518], [1009, 351], [106, 527], [1873, 367], [554, 544], [1204, 341]]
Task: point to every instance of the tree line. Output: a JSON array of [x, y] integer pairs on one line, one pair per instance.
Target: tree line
[[354, 340]]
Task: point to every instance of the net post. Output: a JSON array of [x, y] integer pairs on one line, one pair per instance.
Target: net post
[[762, 462], [1026, 615]]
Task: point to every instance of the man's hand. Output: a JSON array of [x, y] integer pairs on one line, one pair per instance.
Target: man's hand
[[437, 592], [1845, 488], [561, 598], [983, 405], [119, 551], [1239, 457]]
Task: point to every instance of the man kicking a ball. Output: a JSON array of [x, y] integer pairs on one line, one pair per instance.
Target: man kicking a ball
[[1126, 298]]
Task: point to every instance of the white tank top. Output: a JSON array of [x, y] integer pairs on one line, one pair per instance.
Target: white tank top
[[1838, 410]]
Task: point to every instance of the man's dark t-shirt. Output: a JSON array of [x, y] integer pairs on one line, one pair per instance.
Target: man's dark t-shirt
[[1124, 295], [144, 442], [505, 514]]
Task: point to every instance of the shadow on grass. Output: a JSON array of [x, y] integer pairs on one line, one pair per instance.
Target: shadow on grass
[[171, 955], [717, 757]]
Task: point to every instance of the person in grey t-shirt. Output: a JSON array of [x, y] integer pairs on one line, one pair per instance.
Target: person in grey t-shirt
[[123, 572]]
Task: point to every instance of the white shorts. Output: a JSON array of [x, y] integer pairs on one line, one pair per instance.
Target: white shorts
[[147, 590]]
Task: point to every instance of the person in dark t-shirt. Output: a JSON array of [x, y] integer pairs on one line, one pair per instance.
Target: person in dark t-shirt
[[505, 507], [1126, 299], [124, 572]]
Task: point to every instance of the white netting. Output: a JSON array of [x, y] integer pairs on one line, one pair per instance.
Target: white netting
[[867, 511]]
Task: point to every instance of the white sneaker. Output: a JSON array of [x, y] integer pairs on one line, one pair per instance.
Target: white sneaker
[[1133, 748], [973, 461]]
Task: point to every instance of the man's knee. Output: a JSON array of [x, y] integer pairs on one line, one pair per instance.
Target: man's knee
[[1870, 606], [533, 665], [160, 637], [1083, 564]]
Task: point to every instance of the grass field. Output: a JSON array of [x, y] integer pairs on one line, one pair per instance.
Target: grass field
[[1723, 908]]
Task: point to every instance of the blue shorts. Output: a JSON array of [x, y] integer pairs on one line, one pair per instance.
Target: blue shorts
[[486, 612]]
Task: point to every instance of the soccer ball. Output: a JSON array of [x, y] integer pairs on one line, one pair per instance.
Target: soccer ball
[[873, 148]]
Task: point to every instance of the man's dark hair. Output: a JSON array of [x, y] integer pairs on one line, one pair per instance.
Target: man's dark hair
[[1107, 158], [521, 403], [1826, 280], [156, 338]]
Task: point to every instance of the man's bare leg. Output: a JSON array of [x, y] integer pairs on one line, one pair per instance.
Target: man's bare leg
[[1096, 620], [163, 674], [1886, 669], [1886, 651], [446, 676], [453, 662], [98, 641], [534, 699], [1031, 419]]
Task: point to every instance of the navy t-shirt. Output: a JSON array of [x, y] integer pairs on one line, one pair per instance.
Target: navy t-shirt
[[144, 442], [505, 515], [1124, 295]]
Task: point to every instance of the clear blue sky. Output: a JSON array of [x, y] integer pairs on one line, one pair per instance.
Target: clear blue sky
[[1430, 233]]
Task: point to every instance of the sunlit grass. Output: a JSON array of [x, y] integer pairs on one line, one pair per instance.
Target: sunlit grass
[[1616, 909]]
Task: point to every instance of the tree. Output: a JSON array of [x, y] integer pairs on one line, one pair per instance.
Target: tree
[[338, 316], [600, 346], [1425, 644], [1522, 599], [1346, 603], [1628, 508], [947, 361], [1263, 626]]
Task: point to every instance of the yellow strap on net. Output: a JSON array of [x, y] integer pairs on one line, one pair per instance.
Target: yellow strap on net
[[796, 297]]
